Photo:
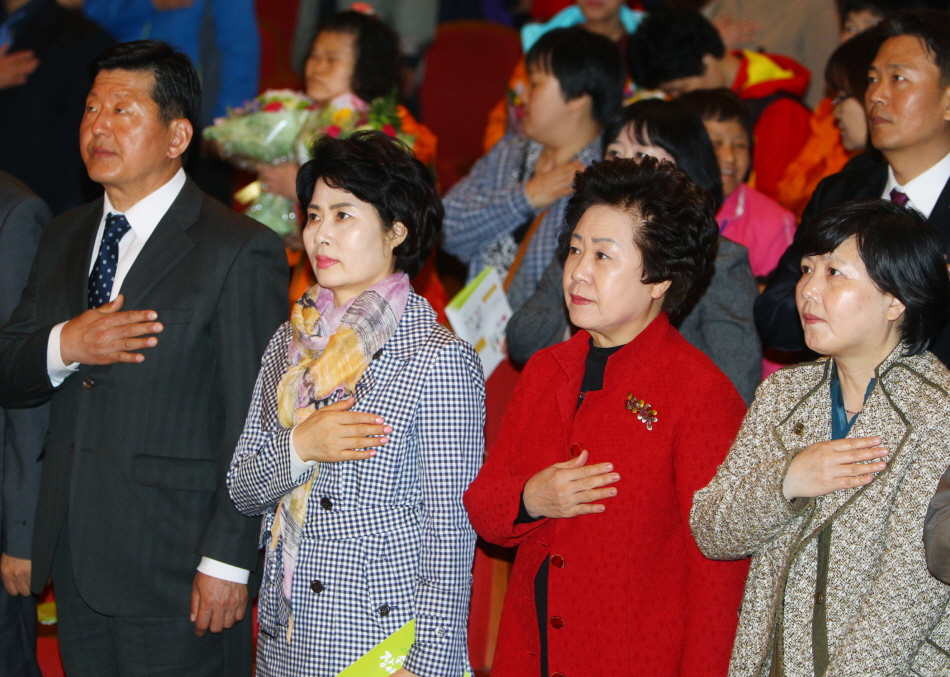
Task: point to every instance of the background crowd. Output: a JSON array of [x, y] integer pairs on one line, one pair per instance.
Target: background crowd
[[664, 448]]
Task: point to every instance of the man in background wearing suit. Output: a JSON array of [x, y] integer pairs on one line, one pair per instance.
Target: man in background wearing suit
[[908, 107], [22, 433], [144, 320], [51, 48]]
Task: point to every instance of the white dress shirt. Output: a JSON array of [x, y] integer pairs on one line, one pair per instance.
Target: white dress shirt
[[924, 190], [143, 217]]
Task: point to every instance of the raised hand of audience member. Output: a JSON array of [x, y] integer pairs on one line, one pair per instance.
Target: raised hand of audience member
[[279, 179], [16, 67], [551, 182]]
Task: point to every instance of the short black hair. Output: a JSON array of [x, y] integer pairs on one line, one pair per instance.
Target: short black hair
[[670, 44], [675, 221], [378, 58], [177, 90], [583, 63], [382, 171], [847, 69], [930, 26], [902, 253], [677, 129], [721, 105], [880, 8]]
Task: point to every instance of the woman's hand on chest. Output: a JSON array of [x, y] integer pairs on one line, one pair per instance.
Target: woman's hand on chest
[[825, 467], [333, 434], [570, 488]]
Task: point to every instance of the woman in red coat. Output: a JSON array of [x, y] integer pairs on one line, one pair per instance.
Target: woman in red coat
[[605, 441]]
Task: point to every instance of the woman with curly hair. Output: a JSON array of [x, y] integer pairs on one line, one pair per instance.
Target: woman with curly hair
[[354, 64], [719, 320], [606, 439], [353, 55]]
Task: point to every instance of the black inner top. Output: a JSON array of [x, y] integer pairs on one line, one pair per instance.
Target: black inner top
[[594, 369]]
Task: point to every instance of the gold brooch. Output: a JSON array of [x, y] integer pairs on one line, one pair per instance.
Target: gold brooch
[[644, 412]]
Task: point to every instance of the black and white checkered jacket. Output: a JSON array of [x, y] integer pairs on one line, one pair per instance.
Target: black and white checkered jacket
[[386, 539]]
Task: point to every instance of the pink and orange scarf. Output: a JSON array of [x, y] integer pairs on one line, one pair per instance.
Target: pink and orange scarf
[[329, 351]]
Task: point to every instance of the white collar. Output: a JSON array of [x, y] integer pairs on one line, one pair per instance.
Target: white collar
[[923, 190], [145, 214]]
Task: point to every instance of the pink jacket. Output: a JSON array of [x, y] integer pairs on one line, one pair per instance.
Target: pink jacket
[[758, 222]]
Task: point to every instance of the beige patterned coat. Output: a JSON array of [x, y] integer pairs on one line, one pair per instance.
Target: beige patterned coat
[[886, 615]]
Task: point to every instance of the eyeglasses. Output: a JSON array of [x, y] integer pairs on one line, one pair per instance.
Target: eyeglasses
[[840, 99]]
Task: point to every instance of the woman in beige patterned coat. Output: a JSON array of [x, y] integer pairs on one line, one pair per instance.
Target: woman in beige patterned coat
[[827, 483]]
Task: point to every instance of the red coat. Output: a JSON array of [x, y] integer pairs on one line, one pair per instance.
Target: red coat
[[635, 595]]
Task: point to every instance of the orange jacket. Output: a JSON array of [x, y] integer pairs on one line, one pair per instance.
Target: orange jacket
[[822, 155]]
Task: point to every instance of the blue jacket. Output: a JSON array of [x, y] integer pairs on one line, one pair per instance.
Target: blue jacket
[[235, 31]]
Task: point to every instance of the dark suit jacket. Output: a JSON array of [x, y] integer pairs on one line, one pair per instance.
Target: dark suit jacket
[[137, 453], [775, 313], [22, 431], [39, 121]]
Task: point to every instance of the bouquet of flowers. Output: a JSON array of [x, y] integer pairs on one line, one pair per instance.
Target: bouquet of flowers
[[348, 113], [266, 130]]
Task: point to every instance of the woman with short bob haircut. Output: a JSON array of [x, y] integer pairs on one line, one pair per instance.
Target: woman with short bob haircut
[[604, 443], [365, 429], [675, 129], [828, 482]]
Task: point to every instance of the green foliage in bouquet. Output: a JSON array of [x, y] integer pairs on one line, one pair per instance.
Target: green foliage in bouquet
[[276, 212], [264, 130]]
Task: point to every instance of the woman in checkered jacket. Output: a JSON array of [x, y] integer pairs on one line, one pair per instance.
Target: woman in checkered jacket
[[365, 429]]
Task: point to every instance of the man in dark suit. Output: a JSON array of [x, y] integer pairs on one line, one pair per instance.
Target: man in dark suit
[[22, 433], [908, 106], [38, 119], [133, 497]]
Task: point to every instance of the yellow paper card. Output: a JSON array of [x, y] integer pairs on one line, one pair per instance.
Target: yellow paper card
[[387, 657]]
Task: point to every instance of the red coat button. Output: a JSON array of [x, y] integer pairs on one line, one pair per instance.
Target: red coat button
[[557, 674], [557, 561], [557, 622]]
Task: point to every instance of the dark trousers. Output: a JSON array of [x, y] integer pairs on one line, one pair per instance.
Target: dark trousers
[[95, 645], [18, 635]]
